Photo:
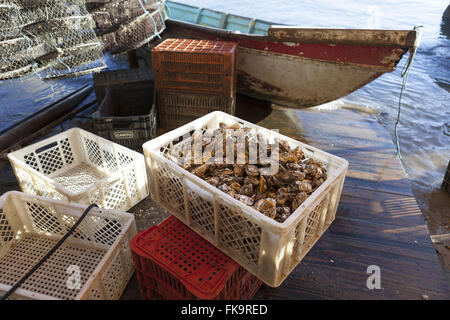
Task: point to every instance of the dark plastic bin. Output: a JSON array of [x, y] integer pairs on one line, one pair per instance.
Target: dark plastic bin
[[177, 108], [127, 115], [123, 78]]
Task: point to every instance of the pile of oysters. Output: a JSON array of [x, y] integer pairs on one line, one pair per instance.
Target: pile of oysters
[[275, 195]]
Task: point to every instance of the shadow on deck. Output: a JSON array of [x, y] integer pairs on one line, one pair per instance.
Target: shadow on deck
[[378, 221]]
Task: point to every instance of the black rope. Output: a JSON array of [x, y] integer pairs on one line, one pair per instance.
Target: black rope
[[37, 265], [397, 141]]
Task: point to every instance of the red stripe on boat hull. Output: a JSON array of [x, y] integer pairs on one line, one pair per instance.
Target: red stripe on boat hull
[[379, 56]]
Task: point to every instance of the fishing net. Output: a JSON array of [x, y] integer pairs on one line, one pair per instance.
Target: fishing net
[[124, 25], [53, 36], [13, 45], [9, 20], [62, 38]]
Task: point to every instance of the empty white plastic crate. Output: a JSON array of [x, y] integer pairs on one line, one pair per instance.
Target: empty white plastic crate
[[268, 249], [79, 166], [98, 249]]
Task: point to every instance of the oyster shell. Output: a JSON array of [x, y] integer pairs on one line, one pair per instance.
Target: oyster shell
[[252, 170], [252, 180], [267, 206], [298, 200], [236, 187], [201, 170], [245, 199], [262, 185], [213, 181], [276, 195], [239, 170], [247, 189], [227, 189], [282, 213]]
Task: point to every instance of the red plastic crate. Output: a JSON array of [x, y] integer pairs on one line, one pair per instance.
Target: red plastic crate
[[196, 66], [174, 262]]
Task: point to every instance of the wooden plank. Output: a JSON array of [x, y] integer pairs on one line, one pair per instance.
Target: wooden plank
[[353, 135], [402, 38], [378, 221], [380, 207]]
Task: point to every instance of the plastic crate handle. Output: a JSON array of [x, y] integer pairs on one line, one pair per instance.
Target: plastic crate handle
[[46, 147]]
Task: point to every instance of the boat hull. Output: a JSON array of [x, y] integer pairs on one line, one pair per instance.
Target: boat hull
[[297, 82], [304, 72]]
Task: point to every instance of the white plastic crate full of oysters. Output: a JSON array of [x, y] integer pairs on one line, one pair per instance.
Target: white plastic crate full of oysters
[[262, 198]]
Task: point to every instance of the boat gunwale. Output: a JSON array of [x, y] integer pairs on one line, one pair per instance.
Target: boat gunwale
[[332, 36]]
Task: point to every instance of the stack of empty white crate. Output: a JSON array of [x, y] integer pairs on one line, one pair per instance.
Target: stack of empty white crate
[[61, 176], [94, 263]]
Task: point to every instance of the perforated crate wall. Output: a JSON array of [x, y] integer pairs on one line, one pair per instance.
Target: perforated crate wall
[[196, 66], [268, 249], [176, 109], [173, 262], [30, 226], [79, 166]]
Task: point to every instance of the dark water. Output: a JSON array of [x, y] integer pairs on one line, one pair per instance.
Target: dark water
[[425, 121]]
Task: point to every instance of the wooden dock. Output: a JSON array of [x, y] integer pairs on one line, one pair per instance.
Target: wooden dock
[[378, 221]]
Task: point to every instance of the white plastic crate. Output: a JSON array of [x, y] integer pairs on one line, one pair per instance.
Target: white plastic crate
[[31, 225], [268, 249], [79, 166]]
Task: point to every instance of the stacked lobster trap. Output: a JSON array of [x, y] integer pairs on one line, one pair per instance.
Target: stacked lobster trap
[[62, 38], [50, 35], [124, 25]]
